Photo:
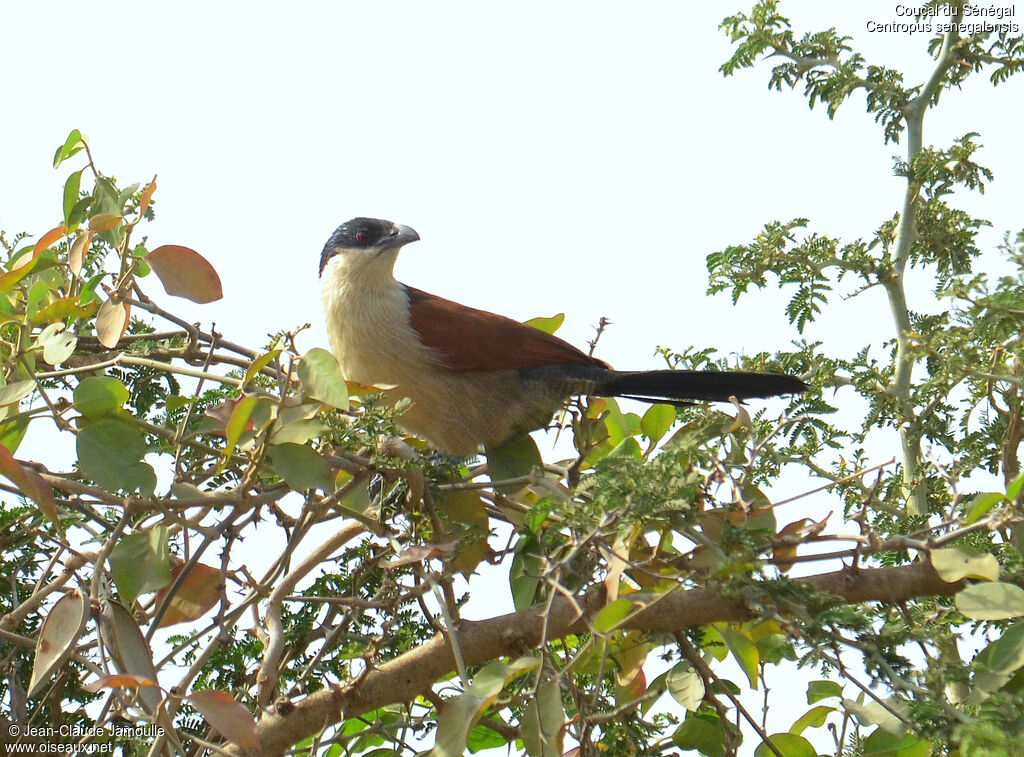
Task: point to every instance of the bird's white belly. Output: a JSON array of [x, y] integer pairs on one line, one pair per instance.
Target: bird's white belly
[[375, 344], [371, 337]]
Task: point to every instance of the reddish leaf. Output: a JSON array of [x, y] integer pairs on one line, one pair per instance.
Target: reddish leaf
[[197, 594], [48, 239], [22, 267], [117, 681], [227, 716], [29, 483], [112, 322], [185, 273], [104, 221], [147, 195]]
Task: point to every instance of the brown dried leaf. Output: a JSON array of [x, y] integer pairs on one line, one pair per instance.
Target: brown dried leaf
[[185, 273], [228, 717], [57, 637], [76, 258]]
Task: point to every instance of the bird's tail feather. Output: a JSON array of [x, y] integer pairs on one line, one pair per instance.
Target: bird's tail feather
[[711, 386]]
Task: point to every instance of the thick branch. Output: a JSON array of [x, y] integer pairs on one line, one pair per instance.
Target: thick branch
[[403, 678], [893, 281]]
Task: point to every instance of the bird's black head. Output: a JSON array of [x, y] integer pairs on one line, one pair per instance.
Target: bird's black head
[[366, 234]]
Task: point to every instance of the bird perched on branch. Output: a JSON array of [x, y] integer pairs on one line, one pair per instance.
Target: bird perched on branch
[[475, 377]]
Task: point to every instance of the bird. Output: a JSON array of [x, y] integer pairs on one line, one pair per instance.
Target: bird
[[474, 377]]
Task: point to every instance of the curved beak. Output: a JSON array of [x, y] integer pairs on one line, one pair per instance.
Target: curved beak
[[402, 235]]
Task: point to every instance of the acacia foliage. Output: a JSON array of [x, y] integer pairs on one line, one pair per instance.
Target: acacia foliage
[[635, 568]]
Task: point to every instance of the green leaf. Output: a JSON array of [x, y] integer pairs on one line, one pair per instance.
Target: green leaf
[[12, 432], [71, 187], [75, 142], [60, 310], [1015, 486], [612, 614], [462, 506], [513, 459], [658, 419], [97, 396], [991, 601], [954, 563], [818, 690], [109, 452], [547, 325], [881, 743], [813, 718], [997, 663], [524, 590], [89, 288], [702, 733], [480, 738], [543, 722], [685, 685], [185, 273], [296, 424], [981, 504], [743, 650], [301, 467], [620, 425], [141, 563], [38, 297], [789, 744], [296, 432], [628, 447], [259, 364], [321, 378], [1005, 654], [41, 262], [15, 392], [461, 713], [238, 421]]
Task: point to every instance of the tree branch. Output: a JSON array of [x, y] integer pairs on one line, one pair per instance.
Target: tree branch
[[402, 678]]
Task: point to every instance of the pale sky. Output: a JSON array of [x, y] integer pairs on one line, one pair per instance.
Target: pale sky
[[577, 157]]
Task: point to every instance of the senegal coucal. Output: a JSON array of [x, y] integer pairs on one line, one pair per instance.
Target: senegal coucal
[[475, 377]]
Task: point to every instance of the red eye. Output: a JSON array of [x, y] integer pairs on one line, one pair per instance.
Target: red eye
[[361, 237]]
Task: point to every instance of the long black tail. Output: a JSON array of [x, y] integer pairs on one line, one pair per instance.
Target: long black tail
[[712, 386]]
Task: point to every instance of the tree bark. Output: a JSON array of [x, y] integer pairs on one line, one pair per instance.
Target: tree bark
[[402, 678]]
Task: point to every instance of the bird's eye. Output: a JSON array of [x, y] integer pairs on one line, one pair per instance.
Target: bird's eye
[[362, 237]]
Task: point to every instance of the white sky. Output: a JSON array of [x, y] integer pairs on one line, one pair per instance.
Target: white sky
[[571, 157], [578, 157]]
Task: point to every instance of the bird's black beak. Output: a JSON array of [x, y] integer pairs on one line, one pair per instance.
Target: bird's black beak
[[402, 235]]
